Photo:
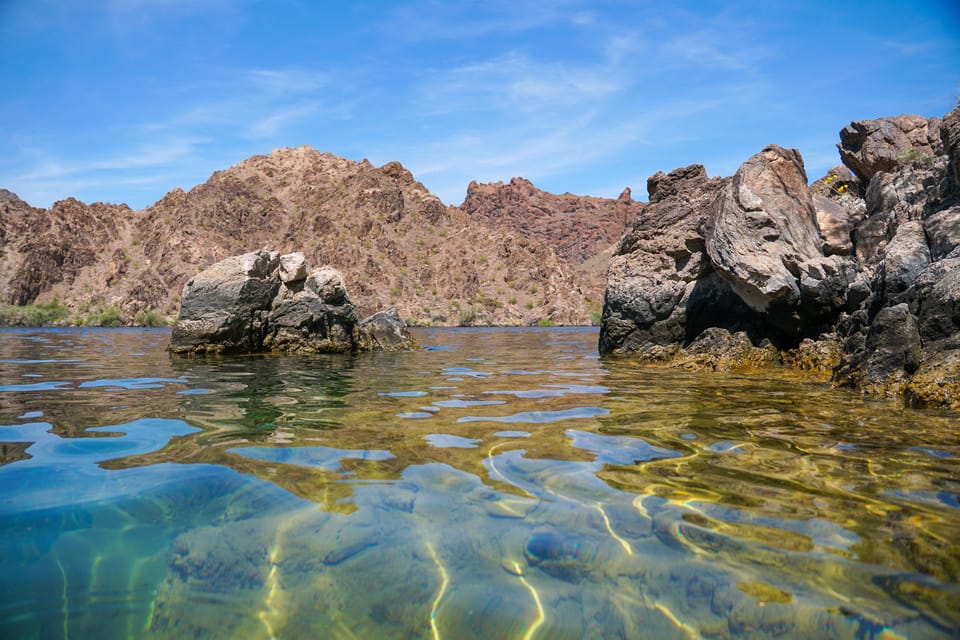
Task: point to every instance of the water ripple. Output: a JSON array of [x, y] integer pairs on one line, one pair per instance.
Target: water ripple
[[446, 441], [37, 386], [326, 458], [541, 417], [130, 383], [621, 450]]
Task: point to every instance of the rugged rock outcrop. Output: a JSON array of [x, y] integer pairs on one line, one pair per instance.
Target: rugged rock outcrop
[[660, 280], [762, 236], [868, 147], [262, 301], [40, 249], [857, 275]]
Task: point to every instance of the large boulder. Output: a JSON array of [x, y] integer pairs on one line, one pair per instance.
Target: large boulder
[[224, 307], [868, 147], [261, 301], [384, 331], [762, 236], [742, 254]]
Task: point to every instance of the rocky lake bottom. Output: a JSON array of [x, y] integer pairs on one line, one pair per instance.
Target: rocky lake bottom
[[501, 483]]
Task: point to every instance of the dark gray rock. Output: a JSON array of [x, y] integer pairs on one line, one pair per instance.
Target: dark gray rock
[[261, 301], [942, 229], [658, 264], [950, 137], [905, 257], [934, 298], [385, 331], [300, 320], [224, 307], [762, 236], [763, 227], [892, 344]]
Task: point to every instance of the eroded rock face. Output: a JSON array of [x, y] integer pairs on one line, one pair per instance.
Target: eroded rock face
[[577, 227], [653, 278], [742, 254], [582, 230], [868, 285], [762, 236], [261, 301]]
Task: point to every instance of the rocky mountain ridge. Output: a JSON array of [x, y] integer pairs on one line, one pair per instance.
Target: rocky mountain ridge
[[397, 245], [582, 230]]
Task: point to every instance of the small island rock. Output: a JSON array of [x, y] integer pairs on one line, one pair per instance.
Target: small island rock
[[261, 301]]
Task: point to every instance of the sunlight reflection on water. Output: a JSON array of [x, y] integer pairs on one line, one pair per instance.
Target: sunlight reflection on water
[[385, 496]]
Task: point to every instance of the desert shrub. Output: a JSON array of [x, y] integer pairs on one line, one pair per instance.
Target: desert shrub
[[33, 315], [468, 316], [149, 318], [104, 316], [915, 157]]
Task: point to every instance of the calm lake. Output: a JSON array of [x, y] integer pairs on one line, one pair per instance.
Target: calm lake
[[502, 483]]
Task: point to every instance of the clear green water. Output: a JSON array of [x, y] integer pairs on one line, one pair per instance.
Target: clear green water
[[500, 484]]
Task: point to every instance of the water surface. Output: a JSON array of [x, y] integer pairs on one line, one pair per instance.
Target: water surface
[[502, 483]]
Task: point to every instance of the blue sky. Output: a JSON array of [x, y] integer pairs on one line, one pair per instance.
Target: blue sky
[[123, 100]]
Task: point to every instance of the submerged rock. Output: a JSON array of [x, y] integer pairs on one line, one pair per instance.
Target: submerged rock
[[857, 275], [261, 301]]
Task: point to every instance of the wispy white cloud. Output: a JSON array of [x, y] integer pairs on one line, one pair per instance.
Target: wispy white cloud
[[150, 154], [440, 20], [515, 82], [285, 82], [271, 124], [911, 48]]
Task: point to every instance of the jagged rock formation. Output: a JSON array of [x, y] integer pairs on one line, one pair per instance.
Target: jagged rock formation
[[397, 243], [43, 248], [858, 273], [582, 230], [261, 301], [660, 275]]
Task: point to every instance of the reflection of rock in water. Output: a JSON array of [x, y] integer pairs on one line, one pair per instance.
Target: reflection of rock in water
[[249, 392]]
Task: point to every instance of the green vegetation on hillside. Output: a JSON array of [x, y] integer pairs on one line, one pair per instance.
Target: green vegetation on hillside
[[54, 314], [33, 315]]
